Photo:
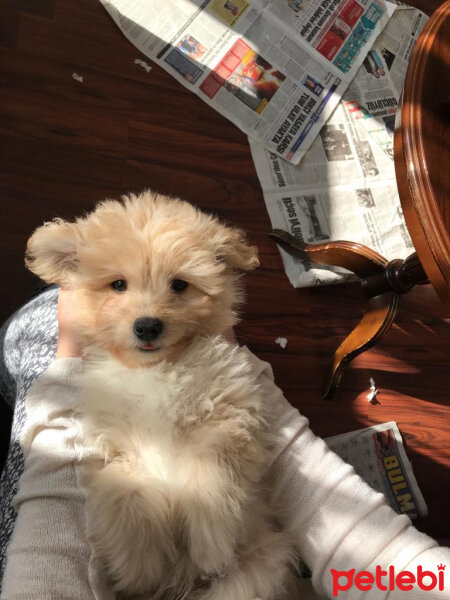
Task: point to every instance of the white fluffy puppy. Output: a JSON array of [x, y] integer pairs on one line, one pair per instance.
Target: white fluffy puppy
[[177, 503]]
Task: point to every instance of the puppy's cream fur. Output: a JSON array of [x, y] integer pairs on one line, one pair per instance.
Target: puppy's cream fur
[[177, 501]]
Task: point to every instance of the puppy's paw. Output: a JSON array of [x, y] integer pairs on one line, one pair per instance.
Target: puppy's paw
[[212, 537], [211, 503], [128, 525]]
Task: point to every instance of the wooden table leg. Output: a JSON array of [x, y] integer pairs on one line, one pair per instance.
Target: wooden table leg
[[376, 322], [358, 259], [382, 281]]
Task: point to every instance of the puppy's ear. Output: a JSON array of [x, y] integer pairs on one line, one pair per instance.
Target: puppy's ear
[[52, 251], [235, 250]]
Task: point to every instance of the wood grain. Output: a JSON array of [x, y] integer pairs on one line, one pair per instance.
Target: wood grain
[[65, 145]]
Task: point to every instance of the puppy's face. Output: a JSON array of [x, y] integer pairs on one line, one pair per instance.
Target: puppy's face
[[149, 274]]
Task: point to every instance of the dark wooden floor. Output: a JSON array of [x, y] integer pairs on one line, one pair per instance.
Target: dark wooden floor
[[65, 145]]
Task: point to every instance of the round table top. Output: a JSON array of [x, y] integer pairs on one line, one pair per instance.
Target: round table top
[[422, 150]]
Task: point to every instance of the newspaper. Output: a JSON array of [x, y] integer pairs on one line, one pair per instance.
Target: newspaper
[[378, 456], [275, 68], [345, 186]]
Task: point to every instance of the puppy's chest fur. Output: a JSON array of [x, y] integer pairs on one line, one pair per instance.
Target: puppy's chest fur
[[208, 402], [183, 450]]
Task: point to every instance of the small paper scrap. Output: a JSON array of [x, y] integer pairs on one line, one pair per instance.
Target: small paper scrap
[[77, 77], [143, 64], [281, 342], [372, 395]]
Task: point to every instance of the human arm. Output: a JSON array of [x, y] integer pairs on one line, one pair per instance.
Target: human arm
[[338, 521], [48, 555]]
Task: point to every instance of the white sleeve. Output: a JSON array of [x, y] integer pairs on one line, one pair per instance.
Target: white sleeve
[[338, 521], [48, 556]]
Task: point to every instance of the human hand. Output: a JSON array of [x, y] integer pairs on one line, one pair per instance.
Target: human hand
[[68, 344], [229, 335]]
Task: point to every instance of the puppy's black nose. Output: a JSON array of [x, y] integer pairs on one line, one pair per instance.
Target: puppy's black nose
[[147, 328]]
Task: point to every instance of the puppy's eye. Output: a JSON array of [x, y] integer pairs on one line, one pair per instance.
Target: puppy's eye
[[120, 285], [178, 285]]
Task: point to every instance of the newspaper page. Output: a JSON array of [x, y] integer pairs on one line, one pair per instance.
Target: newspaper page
[[275, 68], [378, 456], [374, 93], [344, 189], [345, 186]]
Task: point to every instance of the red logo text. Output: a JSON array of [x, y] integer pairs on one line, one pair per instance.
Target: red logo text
[[388, 580]]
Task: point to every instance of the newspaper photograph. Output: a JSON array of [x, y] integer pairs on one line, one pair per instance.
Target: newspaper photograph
[[275, 68], [378, 456], [343, 189]]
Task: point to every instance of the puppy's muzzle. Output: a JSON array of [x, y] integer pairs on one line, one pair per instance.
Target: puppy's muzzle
[[147, 329]]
